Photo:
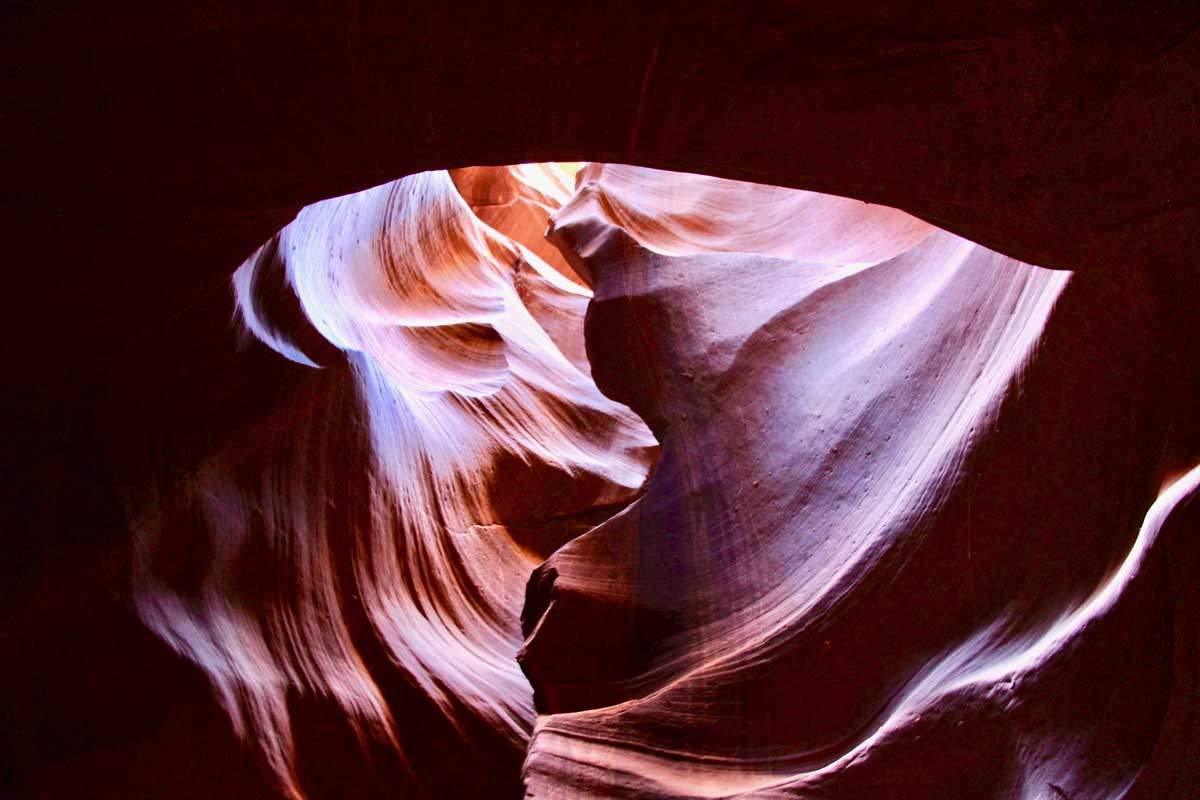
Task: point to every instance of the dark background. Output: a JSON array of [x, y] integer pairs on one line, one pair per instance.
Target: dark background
[[147, 152]]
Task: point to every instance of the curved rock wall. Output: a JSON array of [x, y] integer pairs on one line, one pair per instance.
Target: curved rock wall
[[406, 517], [896, 543]]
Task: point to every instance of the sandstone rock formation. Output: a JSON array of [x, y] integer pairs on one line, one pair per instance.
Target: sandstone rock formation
[[848, 573], [846, 577], [151, 151], [414, 513]]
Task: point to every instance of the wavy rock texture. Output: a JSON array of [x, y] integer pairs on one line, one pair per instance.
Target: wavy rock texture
[[856, 571], [408, 515], [152, 151], [904, 536]]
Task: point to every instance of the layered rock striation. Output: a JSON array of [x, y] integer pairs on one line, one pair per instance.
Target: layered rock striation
[[721, 489]]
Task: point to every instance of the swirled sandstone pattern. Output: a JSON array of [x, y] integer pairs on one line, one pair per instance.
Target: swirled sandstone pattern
[[847, 573]]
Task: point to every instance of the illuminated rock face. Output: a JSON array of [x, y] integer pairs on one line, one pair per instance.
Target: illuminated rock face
[[896, 542], [467, 444], [848, 575]]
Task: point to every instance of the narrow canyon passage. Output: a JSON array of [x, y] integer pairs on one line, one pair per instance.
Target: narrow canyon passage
[[345, 463], [597, 480]]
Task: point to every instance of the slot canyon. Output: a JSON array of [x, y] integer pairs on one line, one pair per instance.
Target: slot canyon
[[680, 400]]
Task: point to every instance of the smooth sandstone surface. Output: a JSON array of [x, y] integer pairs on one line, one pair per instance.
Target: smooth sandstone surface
[[877, 545], [151, 151], [848, 575], [404, 520]]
